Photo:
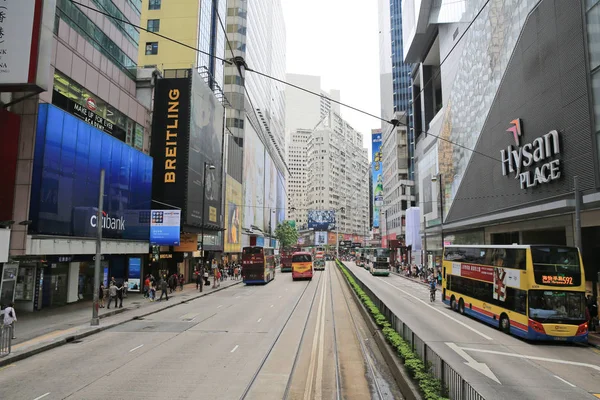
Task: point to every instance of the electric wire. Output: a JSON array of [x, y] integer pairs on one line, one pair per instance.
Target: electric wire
[[230, 62]]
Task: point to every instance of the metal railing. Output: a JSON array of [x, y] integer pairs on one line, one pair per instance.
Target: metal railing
[[457, 388], [5, 340]]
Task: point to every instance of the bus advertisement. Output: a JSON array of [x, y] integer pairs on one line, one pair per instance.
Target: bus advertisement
[[534, 292], [258, 265]]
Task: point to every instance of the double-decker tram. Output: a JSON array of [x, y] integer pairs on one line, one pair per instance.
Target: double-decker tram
[[258, 264], [380, 264], [536, 292], [302, 266], [286, 258], [319, 263]]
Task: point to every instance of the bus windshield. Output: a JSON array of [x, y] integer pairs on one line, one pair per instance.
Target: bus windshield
[[383, 252], [547, 305], [252, 250], [556, 266], [301, 258]]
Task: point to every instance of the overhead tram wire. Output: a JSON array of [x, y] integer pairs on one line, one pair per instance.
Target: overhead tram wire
[[237, 59]]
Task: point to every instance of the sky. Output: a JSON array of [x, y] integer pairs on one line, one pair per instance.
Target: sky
[[338, 40]]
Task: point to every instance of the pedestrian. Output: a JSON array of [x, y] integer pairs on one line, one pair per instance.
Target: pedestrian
[[171, 283], [125, 288], [181, 281], [120, 294], [163, 289], [10, 317], [147, 286], [152, 291], [198, 280], [236, 272], [206, 280], [101, 295], [112, 292]]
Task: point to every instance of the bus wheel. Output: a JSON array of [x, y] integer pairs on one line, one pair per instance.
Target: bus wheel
[[504, 324], [453, 303], [461, 307]]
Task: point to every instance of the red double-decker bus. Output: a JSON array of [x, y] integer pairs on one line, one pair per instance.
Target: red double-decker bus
[[258, 265], [286, 258]]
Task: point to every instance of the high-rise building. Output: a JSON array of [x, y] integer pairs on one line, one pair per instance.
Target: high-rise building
[[88, 120], [255, 147], [297, 159]]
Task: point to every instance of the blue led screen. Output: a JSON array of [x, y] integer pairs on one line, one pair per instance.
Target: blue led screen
[[69, 155]]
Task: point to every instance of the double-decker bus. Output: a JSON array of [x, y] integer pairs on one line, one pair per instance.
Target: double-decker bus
[[380, 264], [302, 265], [536, 292], [286, 258], [319, 263], [258, 264]]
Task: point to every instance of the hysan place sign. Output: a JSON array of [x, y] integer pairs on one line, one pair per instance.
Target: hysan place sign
[[532, 163]]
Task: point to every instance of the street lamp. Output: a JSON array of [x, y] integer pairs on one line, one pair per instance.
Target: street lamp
[[211, 167]]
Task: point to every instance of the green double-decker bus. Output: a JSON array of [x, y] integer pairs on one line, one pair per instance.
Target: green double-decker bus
[[380, 264]]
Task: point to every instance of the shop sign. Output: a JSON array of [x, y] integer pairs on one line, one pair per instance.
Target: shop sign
[[542, 153], [88, 115], [108, 222]]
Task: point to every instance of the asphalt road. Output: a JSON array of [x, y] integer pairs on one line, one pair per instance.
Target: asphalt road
[[519, 369], [242, 342]]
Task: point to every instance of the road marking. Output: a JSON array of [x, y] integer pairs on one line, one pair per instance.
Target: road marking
[[7, 366], [483, 335], [272, 305], [561, 379], [471, 362], [235, 348], [552, 360], [42, 396], [279, 297], [135, 348], [313, 353], [319, 378], [219, 306], [237, 297], [260, 319]]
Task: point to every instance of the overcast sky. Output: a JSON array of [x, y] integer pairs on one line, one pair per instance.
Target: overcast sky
[[338, 40]]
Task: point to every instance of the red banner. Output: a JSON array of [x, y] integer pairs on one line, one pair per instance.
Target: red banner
[[477, 272]]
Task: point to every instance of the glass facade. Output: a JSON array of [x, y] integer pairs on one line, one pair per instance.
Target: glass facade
[[593, 40], [211, 39]]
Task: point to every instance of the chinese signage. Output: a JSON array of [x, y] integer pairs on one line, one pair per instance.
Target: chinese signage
[[557, 280], [164, 227], [17, 40], [376, 168], [532, 163]]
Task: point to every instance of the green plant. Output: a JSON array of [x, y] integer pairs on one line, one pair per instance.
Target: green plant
[[287, 234], [431, 388]]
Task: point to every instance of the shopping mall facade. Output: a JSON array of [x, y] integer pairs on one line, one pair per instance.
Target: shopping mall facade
[[507, 116]]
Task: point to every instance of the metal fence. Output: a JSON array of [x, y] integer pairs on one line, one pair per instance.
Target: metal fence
[[457, 388], [5, 340]]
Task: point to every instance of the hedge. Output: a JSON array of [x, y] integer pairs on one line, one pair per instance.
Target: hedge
[[431, 388]]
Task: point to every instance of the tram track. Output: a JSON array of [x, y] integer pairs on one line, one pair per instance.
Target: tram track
[[252, 381]]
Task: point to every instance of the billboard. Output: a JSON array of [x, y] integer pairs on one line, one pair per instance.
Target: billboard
[[171, 142], [320, 238], [331, 238], [165, 227], [233, 216], [281, 198], [206, 143], [68, 157], [270, 196], [254, 179], [376, 169], [321, 220]]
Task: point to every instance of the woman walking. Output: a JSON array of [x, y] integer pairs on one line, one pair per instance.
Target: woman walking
[[101, 295]]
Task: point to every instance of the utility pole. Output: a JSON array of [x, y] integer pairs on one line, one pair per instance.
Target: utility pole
[[425, 242], [577, 213], [95, 319], [210, 166]]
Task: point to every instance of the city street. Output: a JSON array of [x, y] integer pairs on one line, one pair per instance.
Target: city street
[[517, 369], [255, 342]]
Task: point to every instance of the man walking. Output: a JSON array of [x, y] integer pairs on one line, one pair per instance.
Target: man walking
[[120, 294], [112, 292], [163, 289]]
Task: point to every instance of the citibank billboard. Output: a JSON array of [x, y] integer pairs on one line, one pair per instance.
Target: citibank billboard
[[69, 155]]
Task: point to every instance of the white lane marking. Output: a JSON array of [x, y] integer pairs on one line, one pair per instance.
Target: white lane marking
[[219, 306], [279, 297], [237, 297], [552, 360], [313, 352], [319, 377], [42, 396], [483, 335], [235, 348], [567, 382], [260, 319], [471, 362], [272, 305], [192, 320], [135, 348]]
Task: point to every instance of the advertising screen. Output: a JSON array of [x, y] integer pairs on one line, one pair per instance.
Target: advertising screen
[[321, 220], [206, 142], [331, 239], [233, 216], [69, 155], [165, 227], [320, 238], [133, 277], [254, 180], [376, 169]]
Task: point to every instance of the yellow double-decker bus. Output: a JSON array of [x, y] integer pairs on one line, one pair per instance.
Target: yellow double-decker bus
[[536, 292]]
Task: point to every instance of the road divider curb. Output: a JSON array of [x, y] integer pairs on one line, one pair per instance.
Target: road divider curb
[[36, 349], [407, 387]]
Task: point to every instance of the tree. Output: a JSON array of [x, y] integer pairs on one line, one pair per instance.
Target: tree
[[286, 234]]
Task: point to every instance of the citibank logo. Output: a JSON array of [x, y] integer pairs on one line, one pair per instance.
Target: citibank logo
[[116, 224]]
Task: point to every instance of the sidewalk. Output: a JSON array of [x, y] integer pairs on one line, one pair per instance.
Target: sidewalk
[[46, 329], [409, 278]]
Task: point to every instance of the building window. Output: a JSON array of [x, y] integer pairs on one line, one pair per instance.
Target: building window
[[154, 5], [151, 48], [153, 25]]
